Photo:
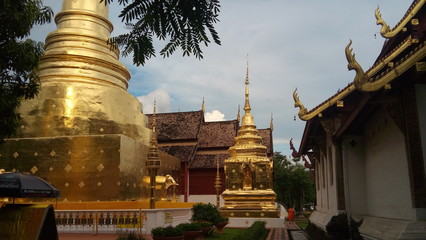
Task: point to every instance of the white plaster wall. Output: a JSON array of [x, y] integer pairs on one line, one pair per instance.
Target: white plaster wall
[[331, 177], [354, 171], [387, 182], [204, 199], [326, 188], [421, 109]]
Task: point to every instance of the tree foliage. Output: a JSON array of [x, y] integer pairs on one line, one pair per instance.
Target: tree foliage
[[182, 23], [19, 57], [292, 182]]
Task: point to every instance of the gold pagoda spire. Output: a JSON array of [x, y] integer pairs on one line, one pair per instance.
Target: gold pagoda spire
[[248, 172], [247, 118]]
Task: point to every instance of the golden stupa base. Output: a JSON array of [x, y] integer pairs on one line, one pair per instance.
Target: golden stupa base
[[83, 168], [250, 203]]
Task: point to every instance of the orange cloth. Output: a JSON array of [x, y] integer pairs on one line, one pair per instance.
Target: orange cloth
[[291, 214]]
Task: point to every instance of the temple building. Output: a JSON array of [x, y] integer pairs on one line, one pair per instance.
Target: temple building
[[202, 147], [368, 141], [84, 132]]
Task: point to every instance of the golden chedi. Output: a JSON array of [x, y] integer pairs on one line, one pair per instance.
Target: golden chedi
[[248, 173], [84, 132]]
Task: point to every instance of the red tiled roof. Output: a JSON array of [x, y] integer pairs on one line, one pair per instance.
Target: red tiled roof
[[218, 134], [266, 135], [184, 153], [178, 125]]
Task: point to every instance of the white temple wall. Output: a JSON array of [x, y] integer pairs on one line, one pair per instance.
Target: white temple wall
[[326, 180], [354, 171], [330, 164], [421, 109], [204, 199], [388, 191]]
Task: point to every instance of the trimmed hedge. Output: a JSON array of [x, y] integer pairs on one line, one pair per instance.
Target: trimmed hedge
[[257, 231]]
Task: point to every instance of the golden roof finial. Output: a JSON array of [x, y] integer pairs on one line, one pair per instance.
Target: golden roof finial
[[238, 114], [203, 108], [271, 124], [154, 120]]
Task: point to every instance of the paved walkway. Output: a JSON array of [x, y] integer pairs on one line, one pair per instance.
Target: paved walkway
[[274, 234], [282, 233]]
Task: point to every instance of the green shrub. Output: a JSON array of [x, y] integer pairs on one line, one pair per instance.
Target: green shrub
[[254, 232], [204, 224], [206, 213], [128, 236], [195, 226], [166, 231]]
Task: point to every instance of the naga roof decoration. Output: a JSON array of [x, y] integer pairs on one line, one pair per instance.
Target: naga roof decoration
[[386, 32], [380, 74]]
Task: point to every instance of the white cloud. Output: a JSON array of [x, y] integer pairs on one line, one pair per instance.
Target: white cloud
[[162, 99], [213, 116]]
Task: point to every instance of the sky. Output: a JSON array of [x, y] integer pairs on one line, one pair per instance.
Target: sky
[[288, 44]]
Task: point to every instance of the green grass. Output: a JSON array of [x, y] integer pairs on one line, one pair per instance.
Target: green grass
[[301, 222], [228, 233]]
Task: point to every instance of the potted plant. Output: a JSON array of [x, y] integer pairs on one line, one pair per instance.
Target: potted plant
[[209, 213], [221, 222], [167, 233], [191, 230], [206, 227]]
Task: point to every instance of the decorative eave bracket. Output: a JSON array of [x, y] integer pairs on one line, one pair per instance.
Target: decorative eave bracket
[[386, 32]]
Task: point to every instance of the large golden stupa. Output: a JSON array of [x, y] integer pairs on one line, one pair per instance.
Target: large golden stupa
[[84, 132], [248, 171]]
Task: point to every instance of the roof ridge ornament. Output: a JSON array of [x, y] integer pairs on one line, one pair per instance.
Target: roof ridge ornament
[[297, 103], [385, 30], [360, 77]]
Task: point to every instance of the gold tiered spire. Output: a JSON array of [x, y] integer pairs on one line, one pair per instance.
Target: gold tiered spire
[[153, 154], [248, 172], [153, 163], [248, 139], [78, 51]]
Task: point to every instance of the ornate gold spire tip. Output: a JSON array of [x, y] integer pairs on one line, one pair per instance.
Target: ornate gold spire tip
[[247, 102], [154, 124], [203, 108]]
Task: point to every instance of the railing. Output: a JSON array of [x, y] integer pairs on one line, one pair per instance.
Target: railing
[[102, 221], [116, 221]]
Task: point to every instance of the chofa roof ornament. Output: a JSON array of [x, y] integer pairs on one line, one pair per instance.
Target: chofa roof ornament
[[360, 77], [297, 103]]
